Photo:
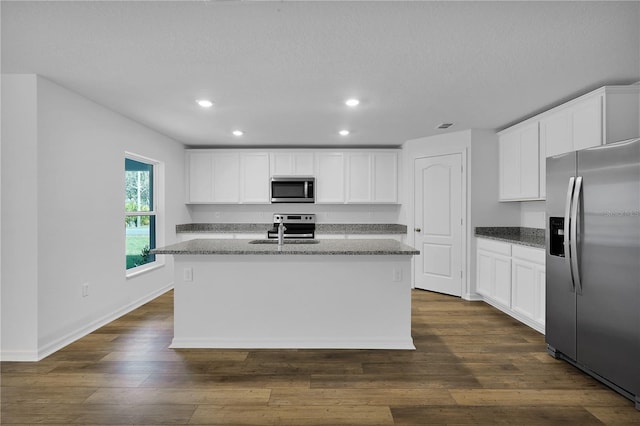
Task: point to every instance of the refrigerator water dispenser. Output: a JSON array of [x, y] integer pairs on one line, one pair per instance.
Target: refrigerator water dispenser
[[556, 235]]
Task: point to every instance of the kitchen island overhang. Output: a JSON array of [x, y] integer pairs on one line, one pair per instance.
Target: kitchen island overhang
[[336, 294]]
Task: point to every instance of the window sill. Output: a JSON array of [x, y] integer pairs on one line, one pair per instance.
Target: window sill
[[134, 272]]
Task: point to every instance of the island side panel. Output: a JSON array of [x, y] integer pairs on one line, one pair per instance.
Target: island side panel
[[258, 301]]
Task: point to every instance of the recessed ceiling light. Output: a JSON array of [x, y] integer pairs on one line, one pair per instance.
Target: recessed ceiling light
[[352, 102], [344, 132], [444, 125], [237, 133], [205, 103]]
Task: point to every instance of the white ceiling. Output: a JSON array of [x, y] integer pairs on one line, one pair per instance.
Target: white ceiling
[[281, 71]]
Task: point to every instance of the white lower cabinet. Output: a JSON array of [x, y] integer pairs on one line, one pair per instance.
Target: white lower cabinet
[[494, 271], [528, 278], [511, 277]]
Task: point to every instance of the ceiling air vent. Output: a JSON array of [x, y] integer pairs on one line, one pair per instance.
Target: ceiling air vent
[[444, 125]]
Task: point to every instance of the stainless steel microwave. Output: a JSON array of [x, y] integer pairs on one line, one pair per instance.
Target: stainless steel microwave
[[293, 189]]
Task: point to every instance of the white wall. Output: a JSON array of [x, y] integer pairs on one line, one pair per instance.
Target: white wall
[[78, 214], [533, 214], [19, 285]]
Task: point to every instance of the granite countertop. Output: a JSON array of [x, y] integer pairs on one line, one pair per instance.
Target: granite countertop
[[321, 228], [387, 247], [532, 237]]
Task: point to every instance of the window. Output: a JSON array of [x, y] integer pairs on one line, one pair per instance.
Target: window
[[140, 211]]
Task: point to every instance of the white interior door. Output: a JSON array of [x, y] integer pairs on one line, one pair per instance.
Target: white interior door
[[438, 223]]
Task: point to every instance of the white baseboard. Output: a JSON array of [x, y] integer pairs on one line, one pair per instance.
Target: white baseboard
[[58, 344], [406, 344], [473, 297], [19, 356]]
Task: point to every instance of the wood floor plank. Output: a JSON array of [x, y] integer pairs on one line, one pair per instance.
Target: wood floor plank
[[198, 381], [77, 379], [473, 365], [283, 416], [519, 397], [615, 415], [494, 415], [180, 396], [45, 394], [385, 397]]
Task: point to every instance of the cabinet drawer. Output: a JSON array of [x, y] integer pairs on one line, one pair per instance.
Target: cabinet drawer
[[494, 246], [530, 254]]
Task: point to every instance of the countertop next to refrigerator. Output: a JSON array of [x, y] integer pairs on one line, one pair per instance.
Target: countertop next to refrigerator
[[531, 237]]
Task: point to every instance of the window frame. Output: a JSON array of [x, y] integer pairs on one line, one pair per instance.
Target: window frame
[[158, 211]]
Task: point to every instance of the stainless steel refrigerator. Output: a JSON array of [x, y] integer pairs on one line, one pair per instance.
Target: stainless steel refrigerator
[[593, 263]]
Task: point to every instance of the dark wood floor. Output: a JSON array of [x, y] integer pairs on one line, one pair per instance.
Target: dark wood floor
[[473, 365]]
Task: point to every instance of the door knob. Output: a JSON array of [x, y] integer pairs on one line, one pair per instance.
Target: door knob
[[417, 229]]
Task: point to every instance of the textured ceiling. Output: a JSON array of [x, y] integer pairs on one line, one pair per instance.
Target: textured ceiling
[[281, 71]]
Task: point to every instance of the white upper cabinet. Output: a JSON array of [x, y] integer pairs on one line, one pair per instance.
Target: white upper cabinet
[[330, 177], [243, 176], [520, 165], [360, 177], [606, 115], [227, 177], [254, 168], [199, 177], [372, 177], [292, 163]]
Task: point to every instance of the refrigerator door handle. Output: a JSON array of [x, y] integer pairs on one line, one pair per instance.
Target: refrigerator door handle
[[567, 234], [574, 234]]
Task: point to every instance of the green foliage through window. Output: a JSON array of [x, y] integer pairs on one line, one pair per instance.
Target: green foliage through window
[[140, 218]]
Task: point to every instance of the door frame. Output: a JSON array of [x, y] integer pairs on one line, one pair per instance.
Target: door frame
[[437, 151]]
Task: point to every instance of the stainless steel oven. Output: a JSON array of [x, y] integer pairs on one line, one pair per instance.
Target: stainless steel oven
[[293, 189], [297, 226]]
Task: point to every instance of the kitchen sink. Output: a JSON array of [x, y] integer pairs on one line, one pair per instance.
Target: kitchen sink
[[299, 241]]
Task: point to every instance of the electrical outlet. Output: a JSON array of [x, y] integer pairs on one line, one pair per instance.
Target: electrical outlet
[[397, 274], [187, 274], [85, 289]]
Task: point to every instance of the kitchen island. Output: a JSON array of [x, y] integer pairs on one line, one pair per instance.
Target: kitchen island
[[341, 294]]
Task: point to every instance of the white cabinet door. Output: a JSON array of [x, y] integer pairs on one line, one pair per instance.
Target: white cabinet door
[[519, 164], [502, 280], [372, 177], [330, 178], [493, 277], [528, 281], [484, 274], [359, 177], [525, 299], [303, 164], [292, 163], [199, 177], [586, 123], [255, 177], [555, 133], [226, 177], [385, 177], [493, 271]]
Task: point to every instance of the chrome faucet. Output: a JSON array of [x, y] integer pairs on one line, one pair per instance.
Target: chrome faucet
[[281, 229]]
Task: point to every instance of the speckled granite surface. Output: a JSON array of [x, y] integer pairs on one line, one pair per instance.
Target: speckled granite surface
[[532, 237], [360, 228], [323, 247], [321, 228], [224, 227]]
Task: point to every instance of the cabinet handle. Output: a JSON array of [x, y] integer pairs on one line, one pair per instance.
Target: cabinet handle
[[418, 230]]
